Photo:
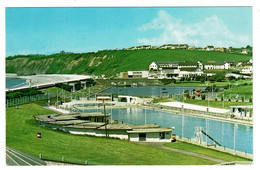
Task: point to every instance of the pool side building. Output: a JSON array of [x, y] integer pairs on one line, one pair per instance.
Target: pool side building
[[96, 124], [245, 111]]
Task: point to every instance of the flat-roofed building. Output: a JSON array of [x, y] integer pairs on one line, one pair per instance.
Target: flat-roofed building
[[245, 111]]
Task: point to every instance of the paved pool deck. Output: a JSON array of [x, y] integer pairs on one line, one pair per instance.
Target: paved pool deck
[[194, 107]]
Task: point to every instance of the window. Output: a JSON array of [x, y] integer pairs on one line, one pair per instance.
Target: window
[[162, 135]]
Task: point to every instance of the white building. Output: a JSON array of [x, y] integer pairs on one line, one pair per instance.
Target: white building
[[150, 135], [130, 99], [209, 48], [94, 124], [248, 70], [242, 111], [138, 74], [217, 66]]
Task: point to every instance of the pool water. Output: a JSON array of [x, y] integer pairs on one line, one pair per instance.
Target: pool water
[[222, 132]]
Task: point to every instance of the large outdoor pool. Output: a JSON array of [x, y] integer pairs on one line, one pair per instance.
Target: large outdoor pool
[[222, 132]]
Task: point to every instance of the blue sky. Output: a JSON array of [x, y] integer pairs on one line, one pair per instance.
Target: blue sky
[[51, 30]]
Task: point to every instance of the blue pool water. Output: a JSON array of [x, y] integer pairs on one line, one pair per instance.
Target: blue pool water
[[222, 132], [14, 83], [147, 91]]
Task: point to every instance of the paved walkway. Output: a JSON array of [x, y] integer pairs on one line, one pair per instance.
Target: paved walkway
[[160, 145], [194, 107]]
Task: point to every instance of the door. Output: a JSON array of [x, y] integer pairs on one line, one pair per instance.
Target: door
[[142, 136]]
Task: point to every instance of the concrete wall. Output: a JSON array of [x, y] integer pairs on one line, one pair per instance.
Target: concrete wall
[[121, 134], [151, 137]]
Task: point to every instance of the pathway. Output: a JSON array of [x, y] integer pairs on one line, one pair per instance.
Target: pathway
[[160, 145]]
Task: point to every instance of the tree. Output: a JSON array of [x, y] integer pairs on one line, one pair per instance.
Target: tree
[[168, 81]]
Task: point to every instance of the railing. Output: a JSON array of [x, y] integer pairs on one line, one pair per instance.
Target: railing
[[63, 159], [28, 99], [244, 154]]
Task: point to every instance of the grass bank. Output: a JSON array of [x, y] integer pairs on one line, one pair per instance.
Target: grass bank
[[210, 103], [21, 130], [209, 152]]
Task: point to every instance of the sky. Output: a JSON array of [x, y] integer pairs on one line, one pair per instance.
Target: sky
[[51, 30]]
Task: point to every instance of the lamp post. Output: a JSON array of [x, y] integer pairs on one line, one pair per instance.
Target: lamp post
[[105, 117]]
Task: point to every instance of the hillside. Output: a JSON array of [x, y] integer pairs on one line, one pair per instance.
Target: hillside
[[108, 62]]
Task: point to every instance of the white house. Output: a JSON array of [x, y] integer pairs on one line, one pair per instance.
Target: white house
[[209, 48], [153, 66], [244, 51], [248, 70], [242, 111]]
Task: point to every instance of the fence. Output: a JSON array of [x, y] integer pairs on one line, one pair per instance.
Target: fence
[[63, 159], [244, 154], [29, 99]]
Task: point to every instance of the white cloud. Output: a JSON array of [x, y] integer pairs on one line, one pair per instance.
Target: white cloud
[[209, 31]]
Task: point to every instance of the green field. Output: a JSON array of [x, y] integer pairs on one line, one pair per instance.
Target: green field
[[212, 103], [21, 130], [108, 62], [209, 152], [240, 92]]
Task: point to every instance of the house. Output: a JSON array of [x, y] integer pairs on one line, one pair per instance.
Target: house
[[209, 48], [244, 51], [183, 46], [169, 46], [191, 48], [247, 70], [245, 111]]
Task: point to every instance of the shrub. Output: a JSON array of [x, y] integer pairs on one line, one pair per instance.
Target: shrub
[[216, 99], [193, 97], [203, 97], [250, 99]]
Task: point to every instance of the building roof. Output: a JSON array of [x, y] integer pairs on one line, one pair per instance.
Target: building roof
[[68, 122], [88, 125], [116, 127], [150, 130], [243, 106], [93, 114], [144, 126]]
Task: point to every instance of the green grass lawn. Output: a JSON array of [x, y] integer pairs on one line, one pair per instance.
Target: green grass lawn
[[209, 152], [241, 91], [212, 103], [21, 130]]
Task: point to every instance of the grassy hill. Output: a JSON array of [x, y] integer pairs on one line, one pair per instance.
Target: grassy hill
[[108, 62]]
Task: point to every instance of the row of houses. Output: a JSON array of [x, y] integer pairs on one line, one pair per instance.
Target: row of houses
[[161, 65], [186, 46], [178, 69]]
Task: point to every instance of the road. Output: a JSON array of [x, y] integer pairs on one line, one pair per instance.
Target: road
[[17, 158]]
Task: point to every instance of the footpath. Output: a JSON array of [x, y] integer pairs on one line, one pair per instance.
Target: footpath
[[160, 145]]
